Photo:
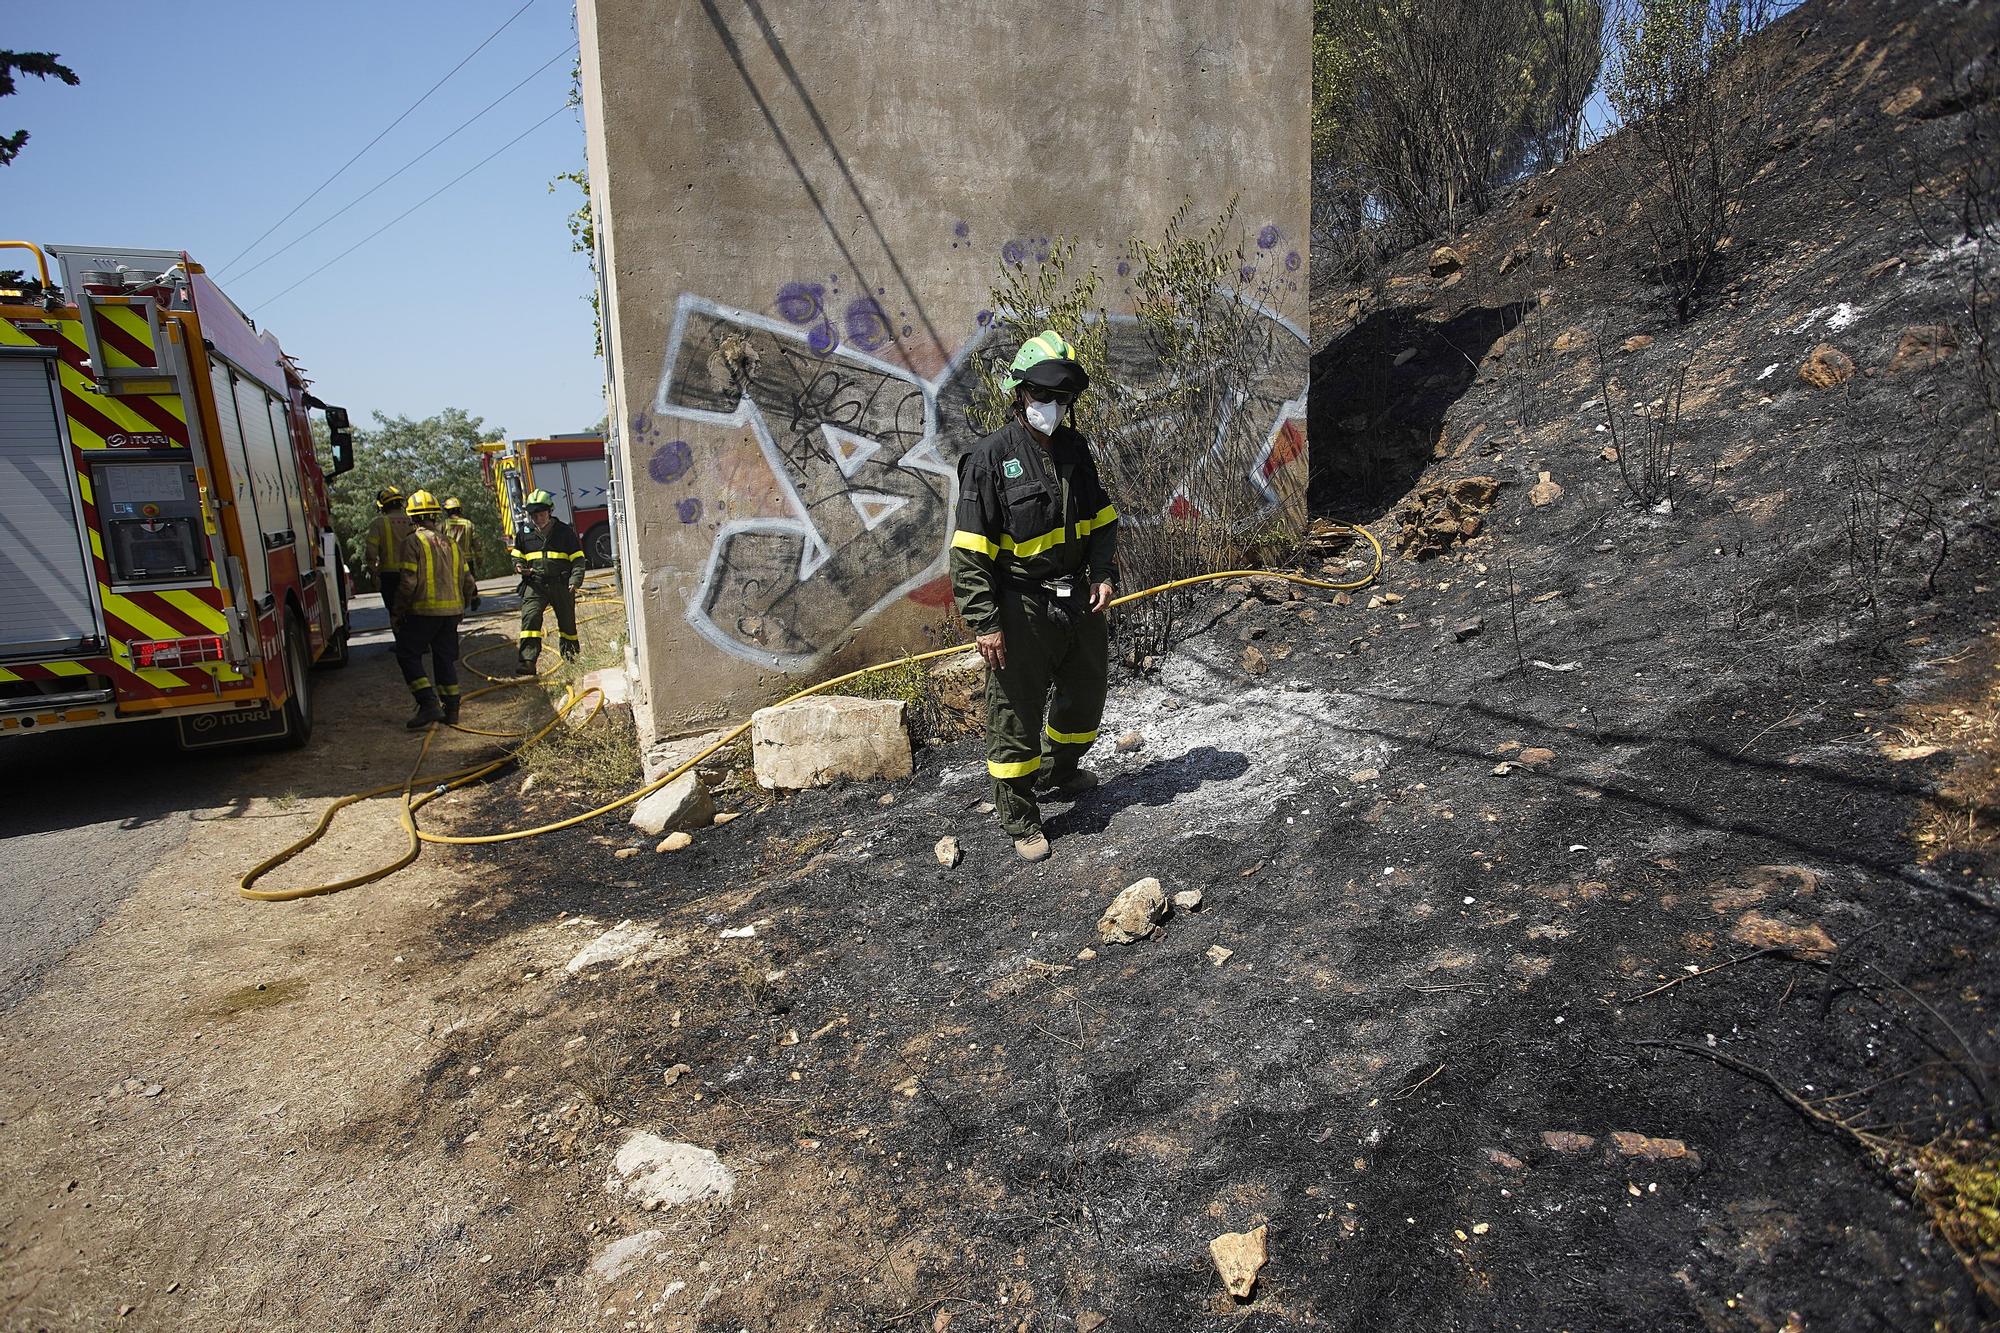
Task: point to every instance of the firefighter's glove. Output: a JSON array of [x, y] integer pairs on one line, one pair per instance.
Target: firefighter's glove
[[473, 605]]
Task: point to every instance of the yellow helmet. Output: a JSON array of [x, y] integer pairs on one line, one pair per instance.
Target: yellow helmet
[[451, 505], [422, 504]]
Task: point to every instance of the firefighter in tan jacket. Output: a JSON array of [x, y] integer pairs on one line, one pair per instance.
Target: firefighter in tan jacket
[[383, 547], [436, 589]]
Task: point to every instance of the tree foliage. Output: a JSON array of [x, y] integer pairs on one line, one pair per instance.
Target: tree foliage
[[1423, 109], [438, 454], [41, 64], [1694, 123]]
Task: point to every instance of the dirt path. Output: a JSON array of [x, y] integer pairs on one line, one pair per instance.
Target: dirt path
[[175, 1125]]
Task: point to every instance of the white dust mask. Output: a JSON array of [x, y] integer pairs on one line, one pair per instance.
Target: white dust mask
[[1044, 417]]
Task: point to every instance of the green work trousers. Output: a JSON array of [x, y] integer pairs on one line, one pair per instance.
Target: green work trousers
[[535, 601], [1043, 707]]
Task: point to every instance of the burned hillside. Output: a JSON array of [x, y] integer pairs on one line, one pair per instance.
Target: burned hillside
[[1596, 921]]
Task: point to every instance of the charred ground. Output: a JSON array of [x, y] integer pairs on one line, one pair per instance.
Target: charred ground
[[1458, 833]]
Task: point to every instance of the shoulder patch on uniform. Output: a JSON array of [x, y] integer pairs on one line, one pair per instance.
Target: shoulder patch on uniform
[[1011, 468]]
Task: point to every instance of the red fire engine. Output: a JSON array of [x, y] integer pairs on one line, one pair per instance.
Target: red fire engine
[[575, 473], [172, 551]]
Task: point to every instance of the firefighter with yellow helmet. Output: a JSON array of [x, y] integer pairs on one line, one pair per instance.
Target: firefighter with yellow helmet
[[436, 589], [1033, 563], [458, 527], [383, 547], [549, 559]]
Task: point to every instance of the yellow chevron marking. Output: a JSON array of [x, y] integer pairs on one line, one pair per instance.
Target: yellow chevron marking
[[83, 484], [14, 337], [5, 674], [160, 680], [111, 407], [137, 617], [67, 668], [129, 319], [172, 403], [196, 609], [96, 544]]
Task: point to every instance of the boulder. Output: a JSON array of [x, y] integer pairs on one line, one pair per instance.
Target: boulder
[[1445, 260], [817, 742], [683, 803], [1545, 491], [1133, 913], [1827, 367], [1808, 943]]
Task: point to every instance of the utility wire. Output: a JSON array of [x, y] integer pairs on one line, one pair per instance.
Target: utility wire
[[405, 167], [419, 204], [377, 139]]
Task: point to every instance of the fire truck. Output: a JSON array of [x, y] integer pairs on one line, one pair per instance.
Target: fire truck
[[169, 547], [572, 469]]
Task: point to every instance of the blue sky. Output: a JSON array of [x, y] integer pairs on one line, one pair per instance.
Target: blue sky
[[198, 125]]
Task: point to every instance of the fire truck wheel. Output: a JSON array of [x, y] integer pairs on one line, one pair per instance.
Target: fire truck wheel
[[597, 547], [298, 708]]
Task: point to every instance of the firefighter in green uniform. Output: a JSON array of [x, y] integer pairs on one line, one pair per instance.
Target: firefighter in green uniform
[[1032, 569], [436, 586], [383, 547], [458, 527], [549, 559]]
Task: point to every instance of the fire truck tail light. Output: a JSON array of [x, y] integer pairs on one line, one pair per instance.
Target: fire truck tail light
[[177, 652]]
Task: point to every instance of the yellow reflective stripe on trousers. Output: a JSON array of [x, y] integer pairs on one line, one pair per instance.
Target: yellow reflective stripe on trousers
[[1020, 770], [1070, 737]]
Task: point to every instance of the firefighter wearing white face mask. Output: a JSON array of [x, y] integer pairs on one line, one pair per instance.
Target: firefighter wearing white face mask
[[1032, 569]]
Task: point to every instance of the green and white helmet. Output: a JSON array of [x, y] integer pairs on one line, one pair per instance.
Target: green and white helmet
[[539, 500], [1049, 362]]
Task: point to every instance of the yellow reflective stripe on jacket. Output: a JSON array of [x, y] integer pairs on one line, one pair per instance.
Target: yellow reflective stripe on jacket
[[440, 573], [1048, 541], [546, 555], [1020, 770], [972, 541], [1070, 737]]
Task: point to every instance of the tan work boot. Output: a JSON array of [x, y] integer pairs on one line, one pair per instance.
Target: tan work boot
[[1034, 847]]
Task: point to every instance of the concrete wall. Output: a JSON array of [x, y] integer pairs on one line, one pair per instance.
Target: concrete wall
[[802, 209]]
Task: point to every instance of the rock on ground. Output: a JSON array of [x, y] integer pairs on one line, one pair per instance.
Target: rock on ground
[[948, 853], [660, 1173], [621, 943], [1133, 913], [1239, 1256], [663, 757], [817, 742], [1827, 367], [620, 1255], [683, 803]]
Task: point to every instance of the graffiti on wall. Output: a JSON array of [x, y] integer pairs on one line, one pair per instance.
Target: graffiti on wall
[[864, 454]]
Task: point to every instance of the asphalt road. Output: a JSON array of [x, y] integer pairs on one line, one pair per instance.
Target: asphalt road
[[87, 814]]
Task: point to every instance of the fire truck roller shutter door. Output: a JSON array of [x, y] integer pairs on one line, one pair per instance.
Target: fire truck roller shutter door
[[46, 607]]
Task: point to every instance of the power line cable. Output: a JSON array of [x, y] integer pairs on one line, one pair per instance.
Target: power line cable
[[419, 204], [378, 138], [400, 170]]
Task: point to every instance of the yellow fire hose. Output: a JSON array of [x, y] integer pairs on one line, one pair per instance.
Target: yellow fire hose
[[417, 794]]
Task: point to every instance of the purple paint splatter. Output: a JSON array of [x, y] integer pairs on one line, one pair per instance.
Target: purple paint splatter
[[669, 461], [1246, 273], [1124, 268], [962, 230], [801, 302], [1292, 262], [983, 318], [822, 339], [1013, 253], [1268, 238], [867, 326], [689, 510]]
